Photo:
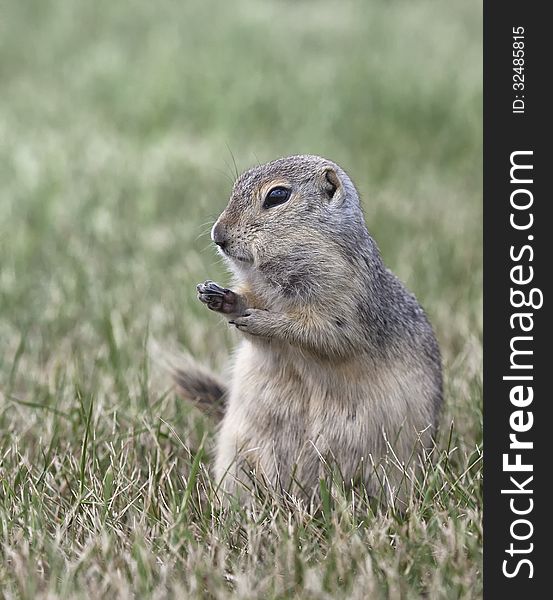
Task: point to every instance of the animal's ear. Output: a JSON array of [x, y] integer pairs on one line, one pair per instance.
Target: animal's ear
[[332, 186]]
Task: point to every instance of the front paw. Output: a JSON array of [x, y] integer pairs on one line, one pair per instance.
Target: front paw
[[217, 298], [253, 321]]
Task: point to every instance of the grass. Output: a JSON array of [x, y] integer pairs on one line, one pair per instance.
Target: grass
[[119, 126]]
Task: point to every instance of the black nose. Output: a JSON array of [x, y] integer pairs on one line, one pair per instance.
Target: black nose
[[218, 235]]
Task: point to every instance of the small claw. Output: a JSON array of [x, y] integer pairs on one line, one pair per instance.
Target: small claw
[[210, 291], [217, 298], [241, 322]]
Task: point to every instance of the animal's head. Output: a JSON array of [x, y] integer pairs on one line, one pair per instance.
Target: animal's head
[[285, 204]]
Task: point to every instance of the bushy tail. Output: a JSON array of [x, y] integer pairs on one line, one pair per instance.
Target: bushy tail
[[201, 388], [195, 384]]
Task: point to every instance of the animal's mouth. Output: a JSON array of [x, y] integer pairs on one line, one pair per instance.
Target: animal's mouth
[[236, 256], [242, 259]]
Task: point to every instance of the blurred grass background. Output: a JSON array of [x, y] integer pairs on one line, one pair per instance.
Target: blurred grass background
[[120, 124]]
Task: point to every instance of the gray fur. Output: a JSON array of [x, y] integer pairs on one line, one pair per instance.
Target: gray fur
[[338, 360], [201, 389]]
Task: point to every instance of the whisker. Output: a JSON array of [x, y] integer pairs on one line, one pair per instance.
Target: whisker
[[237, 174], [225, 173]]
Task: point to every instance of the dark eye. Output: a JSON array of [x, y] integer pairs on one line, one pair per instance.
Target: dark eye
[[276, 196]]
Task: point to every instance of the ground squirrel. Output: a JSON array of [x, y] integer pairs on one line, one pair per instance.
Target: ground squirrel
[[338, 363]]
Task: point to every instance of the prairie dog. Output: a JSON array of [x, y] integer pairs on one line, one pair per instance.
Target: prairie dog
[[337, 362]]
